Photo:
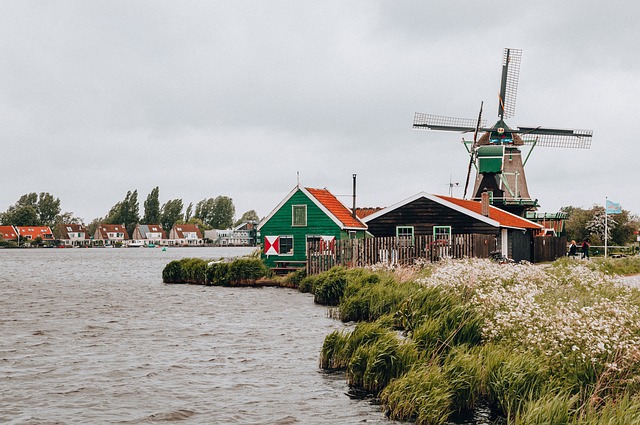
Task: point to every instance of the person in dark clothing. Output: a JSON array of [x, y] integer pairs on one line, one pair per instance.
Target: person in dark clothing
[[573, 249], [585, 248]]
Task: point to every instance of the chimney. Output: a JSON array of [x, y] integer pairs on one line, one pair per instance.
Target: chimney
[[484, 203], [354, 196]]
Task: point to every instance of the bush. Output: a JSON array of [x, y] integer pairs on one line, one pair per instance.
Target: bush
[[244, 269], [172, 272], [218, 274]]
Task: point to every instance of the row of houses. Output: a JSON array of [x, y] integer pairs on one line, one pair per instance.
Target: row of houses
[[308, 216], [77, 235]]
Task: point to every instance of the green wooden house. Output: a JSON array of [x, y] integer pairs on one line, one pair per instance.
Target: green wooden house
[[305, 215]]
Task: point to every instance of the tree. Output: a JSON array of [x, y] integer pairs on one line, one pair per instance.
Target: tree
[[204, 210], [250, 215], [590, 223], [31, 210], [223, 213], [48, 209], [152, 207], [188, 212], [171, 212], [125, 212], [24, 215]]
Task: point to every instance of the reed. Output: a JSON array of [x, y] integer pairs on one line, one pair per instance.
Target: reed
[[422, 395]]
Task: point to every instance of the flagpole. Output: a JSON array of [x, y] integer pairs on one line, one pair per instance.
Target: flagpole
[[606, 226]]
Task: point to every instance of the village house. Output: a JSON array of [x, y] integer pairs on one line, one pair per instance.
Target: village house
[[34, 234], [443, 217], [73, 235], [149, 234], [185, 235], [110, 235], [304, 216], [8, 233]]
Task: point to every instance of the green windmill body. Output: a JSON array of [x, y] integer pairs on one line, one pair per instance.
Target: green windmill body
[[496, 154]]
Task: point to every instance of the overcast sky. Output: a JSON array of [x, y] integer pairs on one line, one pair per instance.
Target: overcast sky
[[234, 98]]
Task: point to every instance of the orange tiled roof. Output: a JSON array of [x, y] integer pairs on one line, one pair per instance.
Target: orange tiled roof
[[34, 231], [504, 218], [363, 212], [336, 208], [8, 233]]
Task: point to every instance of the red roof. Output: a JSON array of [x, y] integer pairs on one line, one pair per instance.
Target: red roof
[[505, 219], [365, 211], [32, 232], [181, 229], [8, 233], [337, 208], [104, 229]]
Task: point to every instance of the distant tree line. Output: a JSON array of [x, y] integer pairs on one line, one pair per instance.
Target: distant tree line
[[209, 213], [590, 223]]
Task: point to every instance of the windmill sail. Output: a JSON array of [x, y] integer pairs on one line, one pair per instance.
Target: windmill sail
[[509, 83]]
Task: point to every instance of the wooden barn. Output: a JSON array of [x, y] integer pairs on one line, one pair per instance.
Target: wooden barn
[[305, 215], [442, 217]]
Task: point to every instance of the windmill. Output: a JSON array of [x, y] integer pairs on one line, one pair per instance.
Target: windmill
[[496, 154]]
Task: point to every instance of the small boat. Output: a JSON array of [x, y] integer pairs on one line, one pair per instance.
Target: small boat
[[136, 244], [150, 245]]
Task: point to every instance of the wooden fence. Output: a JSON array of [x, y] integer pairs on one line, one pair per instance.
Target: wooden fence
[[395, 251], [548, 248]]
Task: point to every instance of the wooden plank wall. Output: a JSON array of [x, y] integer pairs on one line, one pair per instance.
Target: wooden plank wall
[[395, 251], [549, 248]]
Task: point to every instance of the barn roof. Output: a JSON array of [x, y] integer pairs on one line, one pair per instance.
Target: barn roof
[[473, 209]]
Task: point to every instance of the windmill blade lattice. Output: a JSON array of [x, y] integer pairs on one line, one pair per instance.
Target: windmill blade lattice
[[556, 138], [438, 122], [509, 84]]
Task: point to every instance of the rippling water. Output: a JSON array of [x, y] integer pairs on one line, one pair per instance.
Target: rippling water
[[91, 336]]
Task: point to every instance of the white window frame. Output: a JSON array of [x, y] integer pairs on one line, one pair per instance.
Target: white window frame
[[293, 215], [290, 253]]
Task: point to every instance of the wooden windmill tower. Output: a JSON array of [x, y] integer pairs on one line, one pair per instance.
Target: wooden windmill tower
[[496, 154]]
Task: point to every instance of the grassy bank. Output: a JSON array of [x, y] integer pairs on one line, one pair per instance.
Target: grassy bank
[[557, 344], [242, 271]]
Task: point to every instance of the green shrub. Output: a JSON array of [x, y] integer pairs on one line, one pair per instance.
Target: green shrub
[[463, 369], [172, 272], [308, 284], [243, 269], [218, 274], [293, 279]]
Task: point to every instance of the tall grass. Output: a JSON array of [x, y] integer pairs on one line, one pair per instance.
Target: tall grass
[[553, 345]]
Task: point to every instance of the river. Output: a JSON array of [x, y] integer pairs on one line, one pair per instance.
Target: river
[[93, 336]]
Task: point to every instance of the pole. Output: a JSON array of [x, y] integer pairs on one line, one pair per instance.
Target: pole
[[606, 227]]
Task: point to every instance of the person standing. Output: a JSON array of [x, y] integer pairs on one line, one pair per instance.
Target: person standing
[[585, 248], [573, 249]]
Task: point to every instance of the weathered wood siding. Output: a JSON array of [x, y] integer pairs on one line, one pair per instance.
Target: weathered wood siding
[[396, 251], [549, 248], [423, 214]]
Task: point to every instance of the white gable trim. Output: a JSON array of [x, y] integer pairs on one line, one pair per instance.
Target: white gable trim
[[313, 199], [437, 200]]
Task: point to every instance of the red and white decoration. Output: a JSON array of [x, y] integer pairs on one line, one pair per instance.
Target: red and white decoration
[[272, 245]]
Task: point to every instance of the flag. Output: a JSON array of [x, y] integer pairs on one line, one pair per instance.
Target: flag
[[613, 207]]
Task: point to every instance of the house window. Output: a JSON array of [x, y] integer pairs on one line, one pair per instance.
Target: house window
[[405, 233], [299, 213], [442, 233], [286, 245]]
